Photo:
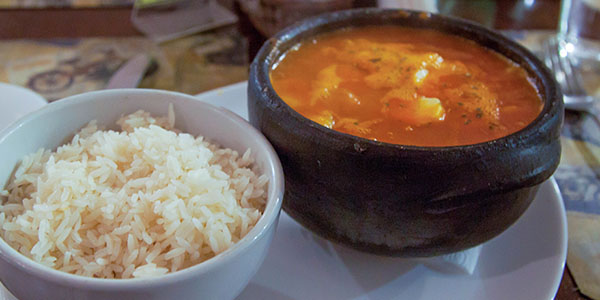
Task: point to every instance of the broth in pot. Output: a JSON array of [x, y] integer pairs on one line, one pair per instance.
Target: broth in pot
[[406, 86]]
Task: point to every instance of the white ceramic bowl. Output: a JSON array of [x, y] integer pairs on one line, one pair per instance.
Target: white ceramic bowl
[[221, 277]]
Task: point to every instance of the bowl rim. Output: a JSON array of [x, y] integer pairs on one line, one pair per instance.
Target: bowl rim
[[268, 219], [270, 53]]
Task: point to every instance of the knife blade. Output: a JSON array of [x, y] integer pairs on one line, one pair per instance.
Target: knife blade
[[130, 74]]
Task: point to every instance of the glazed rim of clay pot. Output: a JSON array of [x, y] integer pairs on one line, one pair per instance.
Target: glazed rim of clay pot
[[278, 45]]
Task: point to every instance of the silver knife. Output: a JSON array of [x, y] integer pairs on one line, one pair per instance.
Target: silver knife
[[129, 74]]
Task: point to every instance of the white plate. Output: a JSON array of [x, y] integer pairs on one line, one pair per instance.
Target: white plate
[[525, 262], [16, 102]]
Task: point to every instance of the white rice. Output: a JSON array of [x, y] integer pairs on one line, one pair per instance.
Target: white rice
[[142, 202]]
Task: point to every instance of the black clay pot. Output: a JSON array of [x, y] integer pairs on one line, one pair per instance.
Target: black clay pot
[[404, 200]]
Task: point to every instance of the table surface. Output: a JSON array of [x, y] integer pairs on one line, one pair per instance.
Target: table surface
[[73, 41]]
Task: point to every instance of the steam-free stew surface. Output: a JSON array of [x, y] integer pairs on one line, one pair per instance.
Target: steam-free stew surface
[[406, 86]]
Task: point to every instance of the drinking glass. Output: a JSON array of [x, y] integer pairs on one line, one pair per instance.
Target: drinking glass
[[578, 47], [579, 28]]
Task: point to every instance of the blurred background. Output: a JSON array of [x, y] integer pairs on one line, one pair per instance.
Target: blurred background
[[63, 47]]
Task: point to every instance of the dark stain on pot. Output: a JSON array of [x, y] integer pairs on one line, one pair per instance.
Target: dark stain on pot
[[359, 148]]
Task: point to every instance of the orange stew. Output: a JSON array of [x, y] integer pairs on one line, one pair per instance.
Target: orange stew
[[406, 86]]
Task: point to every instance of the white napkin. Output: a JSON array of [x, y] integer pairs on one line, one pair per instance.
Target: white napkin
[[463, 262]]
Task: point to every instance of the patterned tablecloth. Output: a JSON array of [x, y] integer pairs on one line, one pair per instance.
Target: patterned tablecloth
[[58, 68], [61, 67]]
